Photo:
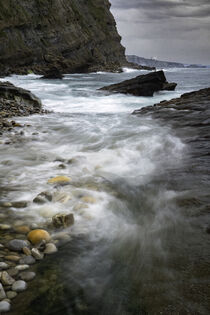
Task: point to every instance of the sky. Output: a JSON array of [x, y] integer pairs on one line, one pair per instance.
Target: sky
[[171, 30]]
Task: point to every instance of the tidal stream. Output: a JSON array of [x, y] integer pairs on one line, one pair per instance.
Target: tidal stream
[[140, 246]]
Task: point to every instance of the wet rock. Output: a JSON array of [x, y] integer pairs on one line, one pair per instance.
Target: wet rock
[[80, 206], [26, 251], [53, 73], [22, 267], [43, 197], [12, 272], [61, 197], [17, 245], [88, 199], [6, 204], [36, 236], [142, 85], [59, 180], [5, 227], [3, 265], [4, 306], [27, 275], [28, 260], [20, 204], [2, 293], [37, 254], [62, 236], [63, 220], [6, 279], [50, 249], [12, 258], [19, 286], [11, 294], [24, 229]]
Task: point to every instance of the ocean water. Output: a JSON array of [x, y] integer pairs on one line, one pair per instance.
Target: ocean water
[[134, 250]]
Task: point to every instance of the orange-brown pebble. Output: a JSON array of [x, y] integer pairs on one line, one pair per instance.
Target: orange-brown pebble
[[36, 236], [24, 229]]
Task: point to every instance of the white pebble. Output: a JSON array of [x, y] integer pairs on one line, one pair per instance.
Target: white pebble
[[21, 267], [4, 306], [19, 286]]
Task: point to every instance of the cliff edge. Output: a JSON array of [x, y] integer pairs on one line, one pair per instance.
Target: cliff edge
[[74, 36]]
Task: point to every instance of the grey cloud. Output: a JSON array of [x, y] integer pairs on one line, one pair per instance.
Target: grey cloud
[[177, 28]]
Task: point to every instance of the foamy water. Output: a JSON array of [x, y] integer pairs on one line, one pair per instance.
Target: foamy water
[[110, 155]]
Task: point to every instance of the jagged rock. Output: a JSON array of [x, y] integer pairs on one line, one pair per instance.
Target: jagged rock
[[53, 73], [43, 197], [142, 85], [63, 220], [73, 36]]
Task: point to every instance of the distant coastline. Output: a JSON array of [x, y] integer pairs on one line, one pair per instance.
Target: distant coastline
[[160, 63]]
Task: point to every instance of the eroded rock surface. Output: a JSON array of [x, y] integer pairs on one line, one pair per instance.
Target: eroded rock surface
[[73, 36], [142, 85]]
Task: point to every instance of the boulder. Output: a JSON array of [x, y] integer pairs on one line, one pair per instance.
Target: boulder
[[53, 73], [142, 85]]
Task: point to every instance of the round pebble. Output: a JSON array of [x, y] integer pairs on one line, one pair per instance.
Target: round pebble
[[36, 236], [5, 227], [21, 267], [28, 260], [19, 286], [4, 306], [24, 229], [12, 258], [3, 265], [27, 275], [6, 279], [50, 248], [17, 245], [11, 294]]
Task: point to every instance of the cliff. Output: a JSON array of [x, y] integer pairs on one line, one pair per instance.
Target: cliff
[[74, 36]]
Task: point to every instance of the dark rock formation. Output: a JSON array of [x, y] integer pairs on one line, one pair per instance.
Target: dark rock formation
[[53, 73], [184, 108], [143, 85], [74, 36], [16, 101]]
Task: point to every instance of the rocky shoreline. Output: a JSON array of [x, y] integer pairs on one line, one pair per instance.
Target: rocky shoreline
[[15, 101]]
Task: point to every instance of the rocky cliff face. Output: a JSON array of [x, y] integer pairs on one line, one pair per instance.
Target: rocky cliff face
[[73, 35]]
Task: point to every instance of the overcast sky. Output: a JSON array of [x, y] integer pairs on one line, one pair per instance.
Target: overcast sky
[[174, 30]]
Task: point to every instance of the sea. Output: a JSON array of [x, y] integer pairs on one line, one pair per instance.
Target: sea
[[139, 245]]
